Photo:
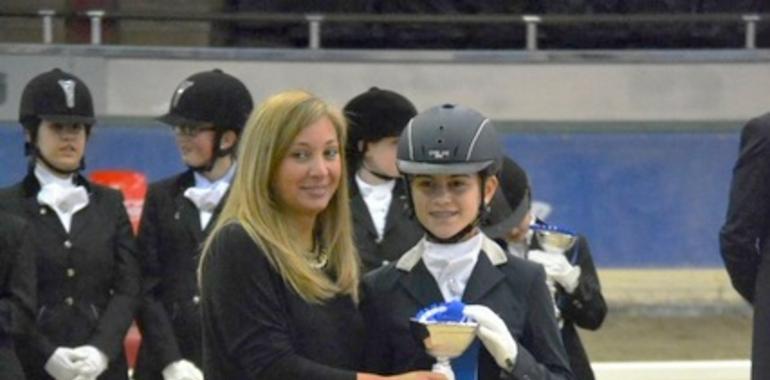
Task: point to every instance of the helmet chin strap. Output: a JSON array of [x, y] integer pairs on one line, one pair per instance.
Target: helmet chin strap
[[216, 154]]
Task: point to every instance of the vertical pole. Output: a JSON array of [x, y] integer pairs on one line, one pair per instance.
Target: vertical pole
[[96, 16], [314, 30], [531, 21], [47, 15], [751, 30]]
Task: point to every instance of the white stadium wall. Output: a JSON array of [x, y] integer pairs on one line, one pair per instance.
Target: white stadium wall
[[554, 86]]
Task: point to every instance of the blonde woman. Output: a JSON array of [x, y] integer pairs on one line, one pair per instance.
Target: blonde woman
[[279, 274]]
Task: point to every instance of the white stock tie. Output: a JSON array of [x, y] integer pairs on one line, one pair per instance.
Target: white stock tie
[[206, 199], [64, 200]]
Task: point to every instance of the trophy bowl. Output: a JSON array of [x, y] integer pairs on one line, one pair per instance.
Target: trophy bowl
[[553, 241], [444, 340]]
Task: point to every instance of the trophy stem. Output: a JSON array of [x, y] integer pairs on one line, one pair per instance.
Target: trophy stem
[[444, 367]]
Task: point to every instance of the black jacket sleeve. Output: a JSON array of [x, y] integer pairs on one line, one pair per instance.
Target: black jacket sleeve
[[746, 224], [246, 299], [585, 306], [154, 322], [18, 281]]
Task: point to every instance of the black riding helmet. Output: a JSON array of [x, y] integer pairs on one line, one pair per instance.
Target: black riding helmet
[[450, 139], [373, 116], [512, 200], [211, 97], [56, 96]]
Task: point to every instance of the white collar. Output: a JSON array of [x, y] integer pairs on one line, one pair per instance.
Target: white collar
[[366, 188], [451, 265], [494, 252], [436, 253]]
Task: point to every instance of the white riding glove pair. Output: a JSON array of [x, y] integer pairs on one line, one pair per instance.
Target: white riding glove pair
[[80, 363], [494, 334], [557, 269], [182, 370]]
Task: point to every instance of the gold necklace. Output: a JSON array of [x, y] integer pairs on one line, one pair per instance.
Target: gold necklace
[[317, 258]]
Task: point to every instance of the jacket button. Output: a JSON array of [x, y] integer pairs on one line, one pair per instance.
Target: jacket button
[[43, 211], [67, 244], [69, 301], [196, 300], [70, 272]]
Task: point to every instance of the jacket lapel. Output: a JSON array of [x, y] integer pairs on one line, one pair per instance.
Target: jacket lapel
[[484, 278], [421, 285], [184, 210], [215, 214], [80, 219], [416, 279], [397, 209], [36, 211], [359, 210]]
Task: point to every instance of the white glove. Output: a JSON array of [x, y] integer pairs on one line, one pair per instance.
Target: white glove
[[63, 363], [182, 370], [494, 334], [92, 364], [557, 269]]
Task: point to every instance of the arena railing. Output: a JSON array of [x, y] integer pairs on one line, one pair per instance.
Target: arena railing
[[315, 21]]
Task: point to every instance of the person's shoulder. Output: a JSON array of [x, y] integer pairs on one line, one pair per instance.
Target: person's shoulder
[[11, 191], [758, 126], [171, 183], [11, 226], [165, 189], [517, 270], [105, 191], [233, 242], [11, 197], [518, 267], [382, 278]]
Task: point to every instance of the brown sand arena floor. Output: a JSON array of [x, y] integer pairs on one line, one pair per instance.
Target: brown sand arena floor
[[670, 314]]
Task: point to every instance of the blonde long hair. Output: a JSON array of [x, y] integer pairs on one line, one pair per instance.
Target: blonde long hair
[[252, 203]]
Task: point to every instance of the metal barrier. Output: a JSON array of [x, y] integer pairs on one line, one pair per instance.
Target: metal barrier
[[315, 21]]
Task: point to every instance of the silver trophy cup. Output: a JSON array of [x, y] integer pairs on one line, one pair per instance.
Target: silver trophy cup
[[554, 241], [444, 341]]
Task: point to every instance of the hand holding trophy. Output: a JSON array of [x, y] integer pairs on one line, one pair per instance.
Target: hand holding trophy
[[555, 241]]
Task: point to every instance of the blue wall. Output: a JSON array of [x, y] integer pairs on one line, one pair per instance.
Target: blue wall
[[643, 199]]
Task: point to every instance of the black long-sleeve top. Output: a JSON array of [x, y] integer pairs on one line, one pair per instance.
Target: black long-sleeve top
[[256, 327]]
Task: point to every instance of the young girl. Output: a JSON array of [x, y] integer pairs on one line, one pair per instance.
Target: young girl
[[383, 229], [87, 274], [449, 155], [207, 113]]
